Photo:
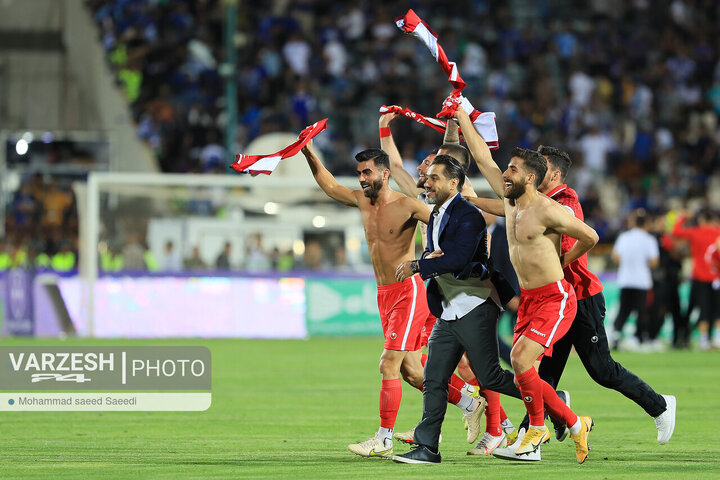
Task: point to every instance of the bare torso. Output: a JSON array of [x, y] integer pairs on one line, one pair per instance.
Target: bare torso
[[534, 248], [390, 234]]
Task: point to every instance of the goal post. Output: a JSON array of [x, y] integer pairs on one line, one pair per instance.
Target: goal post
[[284, 209]]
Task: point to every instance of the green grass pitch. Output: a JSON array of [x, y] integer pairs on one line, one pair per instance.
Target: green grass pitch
[[287, 409]]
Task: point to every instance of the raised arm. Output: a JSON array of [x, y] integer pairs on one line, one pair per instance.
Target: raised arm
[[403, 178], [480, 151], [452, 133], [326, 181], [563, 222], [680, 230], [489, 205], [468, 190], [419, 210]]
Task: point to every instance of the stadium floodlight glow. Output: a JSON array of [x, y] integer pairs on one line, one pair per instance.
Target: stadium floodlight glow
[[47, 137], [21, 147], [318, 221], [298, 247], [28, 137], [271, 208]]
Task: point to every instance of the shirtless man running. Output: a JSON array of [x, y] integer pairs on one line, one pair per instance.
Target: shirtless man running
[[390, 219], [535, 224]]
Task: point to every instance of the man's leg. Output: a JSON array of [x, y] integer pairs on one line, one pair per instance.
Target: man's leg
[[716, 316], [390, 391], [412, 370], [494, 412], [591, 345], [444, 352], [673, 305], [642, 323], [551, 370], [693, 304], [705, 293], [538, 396], [623, 314], [478, 333], [390, 395]]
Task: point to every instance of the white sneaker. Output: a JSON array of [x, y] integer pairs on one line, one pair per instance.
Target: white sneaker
[[406, 437], [470, 390], [657, 346], [507, 426], [704, 342], [488, 444], [665, 422], [509, 430], [375, 447], [715, 341], [474, 420], [630, 344], [409, 436], [508, 453]]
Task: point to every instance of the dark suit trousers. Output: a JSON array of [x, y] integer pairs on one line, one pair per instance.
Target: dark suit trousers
[[588, 336], [476, 334]]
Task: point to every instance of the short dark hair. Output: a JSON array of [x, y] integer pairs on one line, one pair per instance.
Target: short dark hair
[[458, 152], [379, 157], [534, 162], [640, 221], [558, 158], [453, 169], [706, 215]]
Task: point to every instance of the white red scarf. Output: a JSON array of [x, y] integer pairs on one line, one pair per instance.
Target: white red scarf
[[254, 164], [414, 25], [484, 123]]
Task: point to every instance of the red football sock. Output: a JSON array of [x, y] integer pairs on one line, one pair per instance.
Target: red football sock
[[492, 412], [390, 396], [454, 395], [457, 382], [474, 381], [423, 359], [531, 389], [556, 407], [503, 415]]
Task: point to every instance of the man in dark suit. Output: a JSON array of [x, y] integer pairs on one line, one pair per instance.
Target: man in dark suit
[[462, 297]]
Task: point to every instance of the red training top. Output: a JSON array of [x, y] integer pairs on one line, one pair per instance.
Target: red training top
[[577, 274], [712, 258], [701, 237]]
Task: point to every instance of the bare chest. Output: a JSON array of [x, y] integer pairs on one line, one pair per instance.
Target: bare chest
[[524, 228], [385, 223]]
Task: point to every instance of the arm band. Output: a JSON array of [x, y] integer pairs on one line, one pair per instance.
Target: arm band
[[385, 132]]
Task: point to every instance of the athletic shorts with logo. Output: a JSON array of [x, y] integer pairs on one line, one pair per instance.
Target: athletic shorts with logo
[[546, 313], [427, 329], [404, 314]]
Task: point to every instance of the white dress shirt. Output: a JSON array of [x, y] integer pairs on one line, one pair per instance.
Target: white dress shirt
[[459, 297]]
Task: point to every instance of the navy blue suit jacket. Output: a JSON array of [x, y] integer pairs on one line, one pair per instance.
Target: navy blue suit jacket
[[463, 240]]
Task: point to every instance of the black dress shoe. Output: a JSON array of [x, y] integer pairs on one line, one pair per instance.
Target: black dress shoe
[[418, 454]]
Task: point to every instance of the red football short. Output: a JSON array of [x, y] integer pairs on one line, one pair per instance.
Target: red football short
[[427, 329], [404, 313], [546, 313]]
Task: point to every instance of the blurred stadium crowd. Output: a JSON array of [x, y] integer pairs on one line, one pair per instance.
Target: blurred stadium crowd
[[631, 89]]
